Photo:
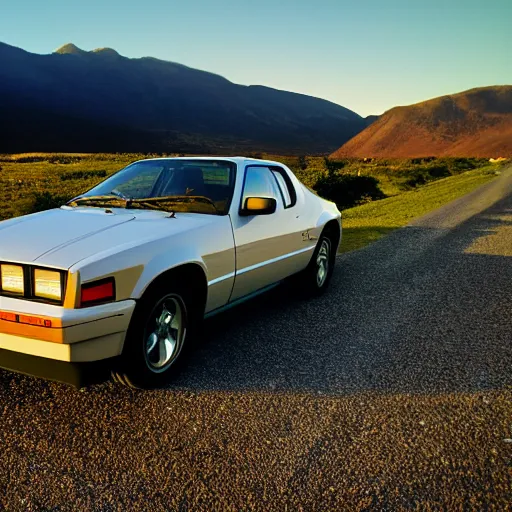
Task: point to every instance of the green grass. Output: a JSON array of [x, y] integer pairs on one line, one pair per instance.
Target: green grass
[[31, 182], [368, 223], [25, 177]]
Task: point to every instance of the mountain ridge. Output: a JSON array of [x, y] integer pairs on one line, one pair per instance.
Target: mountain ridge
[[476, 122], [168, 106]]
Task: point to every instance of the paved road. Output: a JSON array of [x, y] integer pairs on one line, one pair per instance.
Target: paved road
[[392, 392]]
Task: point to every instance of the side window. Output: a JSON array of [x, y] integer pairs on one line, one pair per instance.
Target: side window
[[285, 186], [259, 182]]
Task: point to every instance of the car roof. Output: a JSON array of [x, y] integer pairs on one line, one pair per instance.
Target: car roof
[[241, 160]]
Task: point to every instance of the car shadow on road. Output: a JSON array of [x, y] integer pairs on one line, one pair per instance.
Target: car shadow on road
[[422, 310]]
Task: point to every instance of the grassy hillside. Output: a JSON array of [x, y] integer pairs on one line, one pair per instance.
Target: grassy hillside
[[375, 196], [27, 179], [367, 223]]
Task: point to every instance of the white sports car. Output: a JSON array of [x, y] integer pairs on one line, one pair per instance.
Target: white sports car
[[122, 275]]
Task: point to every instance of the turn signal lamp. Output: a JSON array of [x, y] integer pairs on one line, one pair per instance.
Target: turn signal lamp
[[97, 292]]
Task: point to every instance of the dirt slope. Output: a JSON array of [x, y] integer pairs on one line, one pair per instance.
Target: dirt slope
[[476, 123]]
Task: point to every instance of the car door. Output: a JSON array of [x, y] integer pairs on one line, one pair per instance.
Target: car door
[[273, 246]]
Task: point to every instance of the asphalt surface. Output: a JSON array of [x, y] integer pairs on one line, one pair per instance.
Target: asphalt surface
[[391, 392]]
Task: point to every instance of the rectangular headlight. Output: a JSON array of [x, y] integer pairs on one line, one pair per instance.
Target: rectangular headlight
[[47, 284], [11, 279]]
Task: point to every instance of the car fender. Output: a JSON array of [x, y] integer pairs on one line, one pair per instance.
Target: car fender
[[165, 262], [327, 216]]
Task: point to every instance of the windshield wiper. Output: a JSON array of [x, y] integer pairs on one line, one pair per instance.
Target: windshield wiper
[[117, 193], [124, 201], [175, 199], [142, 204], [98, 200], [150, 203]]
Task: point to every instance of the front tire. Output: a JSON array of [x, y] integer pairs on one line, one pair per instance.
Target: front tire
[[161, 326], [165, 332]]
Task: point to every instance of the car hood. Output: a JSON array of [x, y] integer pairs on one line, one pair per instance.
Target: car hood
[[26, 239], [62, 237]]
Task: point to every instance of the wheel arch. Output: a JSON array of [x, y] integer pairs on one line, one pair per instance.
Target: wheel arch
[[333, 227], [127, 370], [190, 274]]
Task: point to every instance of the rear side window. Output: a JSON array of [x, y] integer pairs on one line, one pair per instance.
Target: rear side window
[[285, 186]]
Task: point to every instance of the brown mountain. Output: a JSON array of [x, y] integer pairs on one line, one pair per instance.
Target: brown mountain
[[76, 100], [475, 123]]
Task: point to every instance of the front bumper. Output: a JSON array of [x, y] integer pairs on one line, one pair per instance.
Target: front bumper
[[76, 374], [76, 335]]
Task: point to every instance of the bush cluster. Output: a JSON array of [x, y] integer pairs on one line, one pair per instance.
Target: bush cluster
[[352, 181], [348, 190], [32, 182], [80, 175], [333, 180], [421, 171], [46, 201]]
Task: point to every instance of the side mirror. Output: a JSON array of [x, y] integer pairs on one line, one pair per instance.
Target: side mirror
[[258, 206]]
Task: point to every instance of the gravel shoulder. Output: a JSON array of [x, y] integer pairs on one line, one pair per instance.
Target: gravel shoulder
[[391, 392]]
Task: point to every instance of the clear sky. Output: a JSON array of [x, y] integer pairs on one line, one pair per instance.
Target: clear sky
[[367, 55]]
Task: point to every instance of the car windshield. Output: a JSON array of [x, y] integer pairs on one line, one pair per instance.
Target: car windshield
[[178, 185]]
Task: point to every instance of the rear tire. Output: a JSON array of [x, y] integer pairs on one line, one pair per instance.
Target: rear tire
[[162, 327], [315, 278]]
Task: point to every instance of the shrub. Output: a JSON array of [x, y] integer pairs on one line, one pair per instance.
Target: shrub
[[439, 171], [45, 201], [417, 176], [64, 159], [311, 176], [347, 190], [301, 162], [75, 175], [416, 181], [424, 160], [335, 165]]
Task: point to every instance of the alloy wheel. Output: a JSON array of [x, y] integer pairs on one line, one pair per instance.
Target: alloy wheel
[[322, 262], [165, 333]]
